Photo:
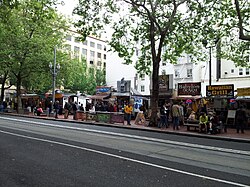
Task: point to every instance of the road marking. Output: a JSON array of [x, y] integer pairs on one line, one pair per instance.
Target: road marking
[[183, 144], [128, 159]]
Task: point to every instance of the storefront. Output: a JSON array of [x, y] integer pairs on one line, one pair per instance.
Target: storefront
[[189, 94], [220, 97]]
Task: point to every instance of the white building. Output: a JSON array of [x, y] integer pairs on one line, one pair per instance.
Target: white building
[[94, 50]]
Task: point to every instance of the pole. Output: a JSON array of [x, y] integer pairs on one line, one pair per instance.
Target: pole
[[210, 66], [54, 80]]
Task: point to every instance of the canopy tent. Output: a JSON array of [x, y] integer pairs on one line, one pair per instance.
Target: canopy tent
[[99, 97]]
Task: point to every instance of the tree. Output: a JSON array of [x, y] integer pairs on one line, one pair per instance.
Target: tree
[[229, 22], [32, 30], [153, 24]]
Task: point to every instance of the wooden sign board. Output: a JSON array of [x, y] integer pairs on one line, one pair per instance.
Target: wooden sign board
[[231, 117], [231, 113]]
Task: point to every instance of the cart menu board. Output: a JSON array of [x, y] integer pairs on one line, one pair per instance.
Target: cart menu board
[[220, 90]]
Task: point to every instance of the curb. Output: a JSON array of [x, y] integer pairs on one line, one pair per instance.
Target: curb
[[242, 140]]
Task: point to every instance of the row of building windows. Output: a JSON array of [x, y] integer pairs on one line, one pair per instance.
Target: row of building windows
[[241, 71], [86, 42], [85, 53], [189, 73]]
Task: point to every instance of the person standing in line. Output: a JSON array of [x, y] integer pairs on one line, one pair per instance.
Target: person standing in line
[[74, 108], [66, 110], [176, 116], [241, 119], [128, 111], [163, 116], [56, 108]]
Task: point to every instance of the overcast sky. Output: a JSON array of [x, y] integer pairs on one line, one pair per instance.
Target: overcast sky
[[67, 7]]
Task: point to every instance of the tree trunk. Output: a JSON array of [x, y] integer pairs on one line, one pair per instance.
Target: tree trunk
[[155, 94], [3, 88], [18, 93]]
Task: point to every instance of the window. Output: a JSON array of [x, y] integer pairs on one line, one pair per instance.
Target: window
[[84, 52], [163, 72], [85, 42], [142, 76], [104, 56], [99, 55], [91, 62], [177, 73], [99, 63], [68, 37], [92, 44], [77, 40], [76, 52], [142, 88], [105, 48], [137, 52], [99, 46], [92, 54], [232, 71], [164, 63], [189, 73], [104, 64], [240, 71], [247, 71]]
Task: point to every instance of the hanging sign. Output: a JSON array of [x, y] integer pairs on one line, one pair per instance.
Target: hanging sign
[[193, 88], [220, 90]]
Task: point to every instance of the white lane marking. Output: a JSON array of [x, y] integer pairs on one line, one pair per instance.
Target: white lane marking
[[211, 148], [128, 159]]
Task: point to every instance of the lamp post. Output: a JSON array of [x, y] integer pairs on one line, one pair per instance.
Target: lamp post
[[205, 44], [54, 69]]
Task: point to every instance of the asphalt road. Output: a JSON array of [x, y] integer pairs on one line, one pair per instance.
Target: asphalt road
[[50, 153]]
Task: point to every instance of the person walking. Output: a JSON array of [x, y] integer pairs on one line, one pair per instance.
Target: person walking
[[128, 112]]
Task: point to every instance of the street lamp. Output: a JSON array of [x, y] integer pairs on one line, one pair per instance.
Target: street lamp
[[54, 69], [205, 44]]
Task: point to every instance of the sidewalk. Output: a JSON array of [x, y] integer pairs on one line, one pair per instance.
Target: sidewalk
[[230, 135]]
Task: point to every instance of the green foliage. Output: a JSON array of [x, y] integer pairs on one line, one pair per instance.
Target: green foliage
[[78, 77], [220, 20], [29, 33]]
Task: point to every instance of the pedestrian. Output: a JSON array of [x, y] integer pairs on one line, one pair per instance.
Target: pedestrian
[[176, 116], [163, 116], [66, 110], [56, 108], [74, 108], [241, 119], [128, 112]]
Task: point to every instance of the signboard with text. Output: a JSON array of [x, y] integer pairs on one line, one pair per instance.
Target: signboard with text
[[243, 91], [193, 88], [220, 90]]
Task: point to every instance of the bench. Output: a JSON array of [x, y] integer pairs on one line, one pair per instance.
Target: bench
[[189, 124]]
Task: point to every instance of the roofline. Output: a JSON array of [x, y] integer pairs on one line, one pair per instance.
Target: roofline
[[88, 36]]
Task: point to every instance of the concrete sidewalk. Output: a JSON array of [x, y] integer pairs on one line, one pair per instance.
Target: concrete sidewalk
[[230, 135]]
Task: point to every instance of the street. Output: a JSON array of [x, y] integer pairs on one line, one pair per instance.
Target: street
[[37, 152]]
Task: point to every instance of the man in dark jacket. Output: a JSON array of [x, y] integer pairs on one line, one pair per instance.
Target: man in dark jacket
[[56, 108], [241, 119]]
